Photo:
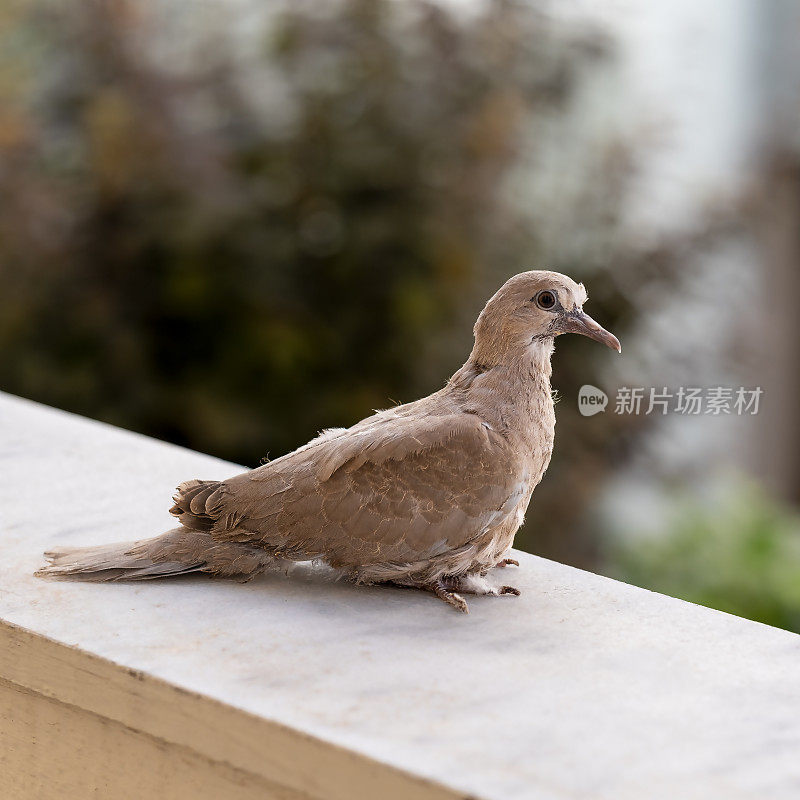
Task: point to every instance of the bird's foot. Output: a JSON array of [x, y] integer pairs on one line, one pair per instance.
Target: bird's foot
[[448, 588], [450, 597], [503, 562], [477, 584]]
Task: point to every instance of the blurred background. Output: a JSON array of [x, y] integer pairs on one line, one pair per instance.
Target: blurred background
[[230, 224]]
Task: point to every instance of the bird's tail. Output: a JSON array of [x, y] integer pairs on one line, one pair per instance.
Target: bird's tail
[[176, 552]]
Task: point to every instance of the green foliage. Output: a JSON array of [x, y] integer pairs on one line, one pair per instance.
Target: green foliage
[[742, 556]]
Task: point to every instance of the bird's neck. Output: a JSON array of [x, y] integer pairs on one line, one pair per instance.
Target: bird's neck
[[513, 395]]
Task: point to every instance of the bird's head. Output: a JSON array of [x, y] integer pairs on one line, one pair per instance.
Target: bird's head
[[535, 307]]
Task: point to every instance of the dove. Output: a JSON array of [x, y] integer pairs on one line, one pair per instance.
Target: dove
[[427, 495]]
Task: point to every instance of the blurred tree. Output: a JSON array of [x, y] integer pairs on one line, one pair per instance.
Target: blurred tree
[[776, 211], [185, 265]]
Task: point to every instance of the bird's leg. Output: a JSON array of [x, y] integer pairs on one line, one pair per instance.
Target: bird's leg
[[475, 583], [447, 588], [441, 590]]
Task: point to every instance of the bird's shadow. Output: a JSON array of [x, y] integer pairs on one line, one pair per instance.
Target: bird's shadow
[[316, 584]]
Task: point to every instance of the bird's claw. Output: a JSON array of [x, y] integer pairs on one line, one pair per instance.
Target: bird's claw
[[507, 562], [446, 588]]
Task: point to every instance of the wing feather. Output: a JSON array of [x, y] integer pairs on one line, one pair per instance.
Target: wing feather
[[395, 489]]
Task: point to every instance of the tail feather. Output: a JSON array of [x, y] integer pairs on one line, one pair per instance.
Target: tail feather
[[177, 552], [197, 504]]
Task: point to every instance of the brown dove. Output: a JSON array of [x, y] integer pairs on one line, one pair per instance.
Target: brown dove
[[427, 494]]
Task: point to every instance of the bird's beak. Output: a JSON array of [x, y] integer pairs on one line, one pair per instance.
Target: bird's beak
[[579, 322]]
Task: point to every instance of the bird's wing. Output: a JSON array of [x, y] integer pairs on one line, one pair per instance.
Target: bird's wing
[[392, 489]]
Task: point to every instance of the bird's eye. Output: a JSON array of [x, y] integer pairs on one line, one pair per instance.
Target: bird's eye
[[545, 300]]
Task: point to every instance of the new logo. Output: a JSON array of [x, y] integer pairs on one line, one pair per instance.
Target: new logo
[[591, 400]]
